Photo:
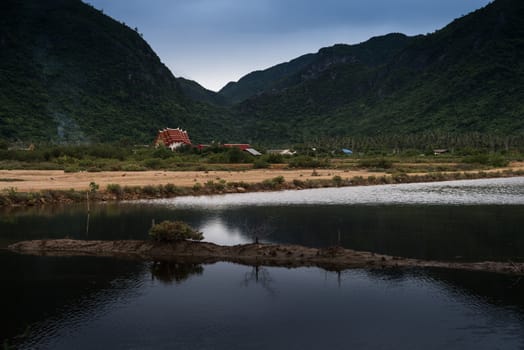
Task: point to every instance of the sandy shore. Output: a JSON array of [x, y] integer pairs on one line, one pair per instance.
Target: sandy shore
[[333, 258], [37, 180]]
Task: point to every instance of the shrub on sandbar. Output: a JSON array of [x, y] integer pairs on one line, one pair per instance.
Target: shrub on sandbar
[[169, 231]]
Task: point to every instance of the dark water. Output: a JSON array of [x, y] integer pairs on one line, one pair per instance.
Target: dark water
[[431, 232], [483, 220], [86, 302]]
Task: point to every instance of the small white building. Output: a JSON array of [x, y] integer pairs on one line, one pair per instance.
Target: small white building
[[283, 152]]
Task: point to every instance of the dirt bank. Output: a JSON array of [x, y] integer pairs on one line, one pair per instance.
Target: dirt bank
[[252, 254], [37, 180]]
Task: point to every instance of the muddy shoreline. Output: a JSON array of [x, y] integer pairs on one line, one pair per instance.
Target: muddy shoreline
[[333, 258], [115, 192]]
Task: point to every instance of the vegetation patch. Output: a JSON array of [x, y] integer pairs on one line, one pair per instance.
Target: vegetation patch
[[492, 160], [376, 163], [308, 162], [172, 231]]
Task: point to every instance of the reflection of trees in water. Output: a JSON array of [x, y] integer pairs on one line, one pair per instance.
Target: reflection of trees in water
[[258, 230], [260, 276], [169, 272]]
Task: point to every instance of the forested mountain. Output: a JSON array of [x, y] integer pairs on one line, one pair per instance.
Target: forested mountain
[[197, 92], [373, 52], [69, 73], [468, 76]]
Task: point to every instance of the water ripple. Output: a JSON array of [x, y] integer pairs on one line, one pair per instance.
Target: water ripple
[[506, 191]]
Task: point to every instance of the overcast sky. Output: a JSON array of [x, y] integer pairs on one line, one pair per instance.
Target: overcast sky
[[217, 41]]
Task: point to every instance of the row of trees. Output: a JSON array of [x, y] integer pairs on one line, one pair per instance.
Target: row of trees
[[458, 144], [423, 142]]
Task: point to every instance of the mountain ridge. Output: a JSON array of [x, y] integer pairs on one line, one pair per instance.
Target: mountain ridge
[[72, 74], [467, 76], [276, 76]]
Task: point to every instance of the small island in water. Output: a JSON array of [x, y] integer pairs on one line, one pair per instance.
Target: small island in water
[[331, 258]]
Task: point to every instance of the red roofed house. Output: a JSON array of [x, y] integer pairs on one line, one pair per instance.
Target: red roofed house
[[242, 146], [172, 138]]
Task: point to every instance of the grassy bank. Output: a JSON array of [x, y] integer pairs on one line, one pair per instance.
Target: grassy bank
[[12, 197]]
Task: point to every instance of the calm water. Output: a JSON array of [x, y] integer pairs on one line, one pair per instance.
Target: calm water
[[81, 302]]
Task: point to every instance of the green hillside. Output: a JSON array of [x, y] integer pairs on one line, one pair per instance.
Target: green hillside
[[466, 77], [197, 92], [68, 73]]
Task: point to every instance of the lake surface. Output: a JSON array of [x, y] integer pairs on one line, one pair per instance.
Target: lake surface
[[83, 302]]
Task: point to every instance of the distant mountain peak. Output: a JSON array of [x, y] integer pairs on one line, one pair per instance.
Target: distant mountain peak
[[72, 74]]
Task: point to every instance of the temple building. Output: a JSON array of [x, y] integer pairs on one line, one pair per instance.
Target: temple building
[[172, 138]]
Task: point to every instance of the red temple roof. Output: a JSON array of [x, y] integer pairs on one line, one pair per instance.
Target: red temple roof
[[169, 136]]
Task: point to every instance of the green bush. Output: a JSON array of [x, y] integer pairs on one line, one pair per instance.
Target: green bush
[[133, 167], [172, 189], [308, 162], [337, 180], [298, 183], [235, 155], [216, 186], [132, 189], [151, 190], [230, 156], [274, 183], [115, 189], [71, 169], [170, 231], [403, 177], [152, 163], [93, 187], [273, 158], [279, 180], [376, 163], [494, 160], [73, 195], [260, 164], [358, 180], [163, 153]]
